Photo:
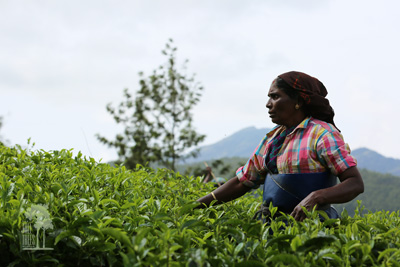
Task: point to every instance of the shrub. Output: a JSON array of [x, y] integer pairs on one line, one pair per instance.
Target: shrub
[[111, 216]]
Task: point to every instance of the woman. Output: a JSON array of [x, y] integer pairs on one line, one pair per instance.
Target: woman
[[298, 158]]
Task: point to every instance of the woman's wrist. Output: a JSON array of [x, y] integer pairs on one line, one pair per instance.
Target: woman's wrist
[[319, 198]]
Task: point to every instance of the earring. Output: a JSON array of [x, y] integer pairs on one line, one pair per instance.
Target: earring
[[297, 106]]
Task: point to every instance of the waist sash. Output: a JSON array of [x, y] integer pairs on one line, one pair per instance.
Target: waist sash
[[285, 191]]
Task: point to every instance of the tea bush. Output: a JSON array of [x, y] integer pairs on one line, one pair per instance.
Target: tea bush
[[110, 216]]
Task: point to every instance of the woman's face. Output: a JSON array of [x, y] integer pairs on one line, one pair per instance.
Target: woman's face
[[281, 108]]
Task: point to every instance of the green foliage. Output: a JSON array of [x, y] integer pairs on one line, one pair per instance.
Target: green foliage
[[157, 121], [111, 216], [225, 167], [219, 168]]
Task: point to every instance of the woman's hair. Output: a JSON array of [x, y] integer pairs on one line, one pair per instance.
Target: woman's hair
[[281, 84], [293, 94], [309, 90]]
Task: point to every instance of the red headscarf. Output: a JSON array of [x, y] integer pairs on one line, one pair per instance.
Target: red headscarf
[[313, 92]]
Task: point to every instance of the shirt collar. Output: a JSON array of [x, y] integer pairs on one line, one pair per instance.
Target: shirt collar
[[304, 123], [279, 128]]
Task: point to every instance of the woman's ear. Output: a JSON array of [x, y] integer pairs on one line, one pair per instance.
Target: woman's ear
[[300, 103]]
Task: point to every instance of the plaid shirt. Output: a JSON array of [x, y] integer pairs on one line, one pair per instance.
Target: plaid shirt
[[313, 146]]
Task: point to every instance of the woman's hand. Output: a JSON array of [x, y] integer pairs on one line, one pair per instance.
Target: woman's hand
[[309, 202], [351, 185]]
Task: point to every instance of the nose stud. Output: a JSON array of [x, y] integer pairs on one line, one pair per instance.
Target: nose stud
[[297, 106]]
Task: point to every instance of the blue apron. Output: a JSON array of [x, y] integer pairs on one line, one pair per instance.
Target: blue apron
[[285, 191]]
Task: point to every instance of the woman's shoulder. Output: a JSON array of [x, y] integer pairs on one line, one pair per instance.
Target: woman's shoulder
[[322, 125]]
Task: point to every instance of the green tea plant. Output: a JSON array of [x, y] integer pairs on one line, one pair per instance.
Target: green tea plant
[[111, 216]]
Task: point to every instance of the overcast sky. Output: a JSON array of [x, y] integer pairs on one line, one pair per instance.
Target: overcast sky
[[62, 62]]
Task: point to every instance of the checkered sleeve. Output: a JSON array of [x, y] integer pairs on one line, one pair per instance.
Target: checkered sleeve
[[249, 174], [334, 153]]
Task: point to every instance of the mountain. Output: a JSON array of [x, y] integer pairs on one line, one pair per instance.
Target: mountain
[[242, 143], [239, 144], [371, 160]]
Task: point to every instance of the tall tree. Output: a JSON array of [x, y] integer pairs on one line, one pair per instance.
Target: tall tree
[[157, 120]]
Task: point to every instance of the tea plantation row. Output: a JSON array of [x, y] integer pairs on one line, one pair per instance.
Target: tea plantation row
[[57, 209]]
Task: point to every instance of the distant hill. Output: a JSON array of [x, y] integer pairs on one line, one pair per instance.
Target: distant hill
[[242, 143], [374, 161], [239, 144]]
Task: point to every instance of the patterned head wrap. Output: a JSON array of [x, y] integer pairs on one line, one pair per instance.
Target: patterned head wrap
[[313, 92]]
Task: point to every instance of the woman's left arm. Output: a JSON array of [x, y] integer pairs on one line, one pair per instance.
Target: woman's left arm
[[350, 186]]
